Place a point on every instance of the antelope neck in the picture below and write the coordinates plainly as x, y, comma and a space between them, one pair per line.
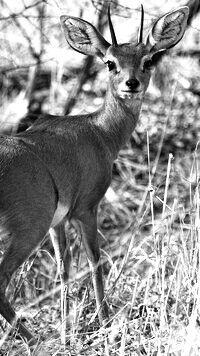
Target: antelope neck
117, 119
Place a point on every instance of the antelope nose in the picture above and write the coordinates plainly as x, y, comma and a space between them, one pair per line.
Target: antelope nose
132, 84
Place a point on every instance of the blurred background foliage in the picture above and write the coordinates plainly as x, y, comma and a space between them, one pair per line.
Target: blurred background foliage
39, 73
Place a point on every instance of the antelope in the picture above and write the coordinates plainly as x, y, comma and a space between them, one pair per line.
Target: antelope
60, 168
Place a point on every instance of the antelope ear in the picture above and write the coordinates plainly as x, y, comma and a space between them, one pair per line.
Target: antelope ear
168, 30
83, 37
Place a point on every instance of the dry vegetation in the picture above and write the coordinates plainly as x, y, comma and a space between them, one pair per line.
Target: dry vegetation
149, 231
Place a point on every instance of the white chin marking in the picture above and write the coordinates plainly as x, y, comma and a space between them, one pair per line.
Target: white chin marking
126, 95
130, 96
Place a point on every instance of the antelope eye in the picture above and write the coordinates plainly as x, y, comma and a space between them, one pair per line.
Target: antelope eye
111, 65
148, 64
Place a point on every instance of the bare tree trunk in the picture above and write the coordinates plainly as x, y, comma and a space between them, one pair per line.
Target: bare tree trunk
37, 80
194, 6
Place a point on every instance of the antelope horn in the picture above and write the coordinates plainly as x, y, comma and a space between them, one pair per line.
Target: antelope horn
112, 32
140, 33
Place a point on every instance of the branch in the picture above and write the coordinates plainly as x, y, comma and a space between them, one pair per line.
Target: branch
20, 13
